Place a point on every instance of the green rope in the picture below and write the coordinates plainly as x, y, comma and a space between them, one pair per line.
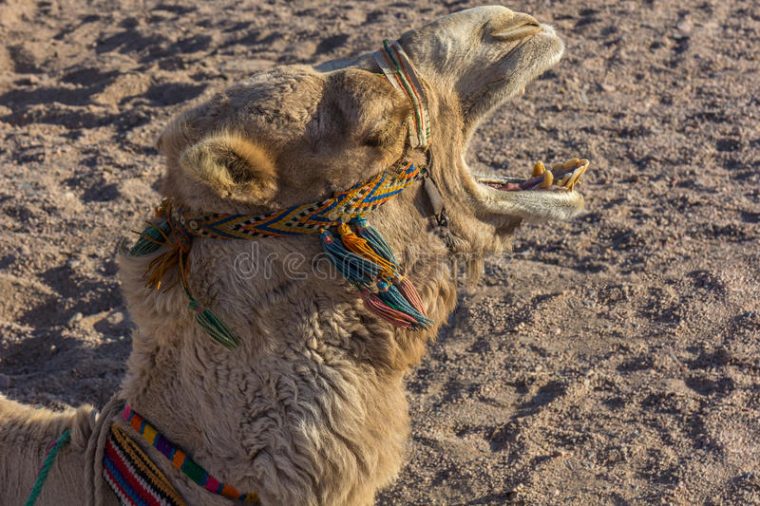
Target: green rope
45, 469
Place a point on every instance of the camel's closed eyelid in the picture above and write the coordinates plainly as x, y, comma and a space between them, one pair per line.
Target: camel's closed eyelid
374, 140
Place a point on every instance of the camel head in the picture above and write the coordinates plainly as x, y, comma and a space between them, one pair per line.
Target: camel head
475, 61
296, 134
472, 62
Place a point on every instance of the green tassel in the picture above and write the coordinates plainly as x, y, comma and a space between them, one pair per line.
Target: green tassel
151, 239
213, 325
375, 239
390, 295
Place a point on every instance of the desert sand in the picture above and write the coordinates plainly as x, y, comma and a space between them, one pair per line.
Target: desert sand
611, 360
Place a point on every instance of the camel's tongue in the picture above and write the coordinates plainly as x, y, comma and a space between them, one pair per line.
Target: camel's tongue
560, 176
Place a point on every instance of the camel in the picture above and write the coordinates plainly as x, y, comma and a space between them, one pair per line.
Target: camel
309, 408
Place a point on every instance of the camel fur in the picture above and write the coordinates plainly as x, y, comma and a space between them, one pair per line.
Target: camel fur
310, 409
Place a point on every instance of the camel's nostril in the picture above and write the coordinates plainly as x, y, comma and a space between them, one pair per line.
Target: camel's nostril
526, 19
517, 27
515, 32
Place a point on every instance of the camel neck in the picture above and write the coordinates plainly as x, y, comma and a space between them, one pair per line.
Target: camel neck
173, 395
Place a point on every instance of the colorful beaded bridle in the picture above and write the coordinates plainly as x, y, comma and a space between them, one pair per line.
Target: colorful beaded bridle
356, 249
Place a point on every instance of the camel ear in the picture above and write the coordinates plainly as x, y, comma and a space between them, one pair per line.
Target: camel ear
373, 110
233, 167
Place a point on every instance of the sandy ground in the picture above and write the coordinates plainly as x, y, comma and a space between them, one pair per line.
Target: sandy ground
612, 360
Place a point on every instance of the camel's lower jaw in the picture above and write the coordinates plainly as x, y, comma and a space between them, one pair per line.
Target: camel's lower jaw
548, 195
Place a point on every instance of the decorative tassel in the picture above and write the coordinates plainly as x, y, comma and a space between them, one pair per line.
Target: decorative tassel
360, 253
387, 313
375, 239
212, 324
178, 245
151, 239
392, 297
410, 293
354, 268
159, 266
157, 234
358, 245
366, 259
165, 234
206, 318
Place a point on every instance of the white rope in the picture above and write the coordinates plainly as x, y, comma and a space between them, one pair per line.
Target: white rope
93, 472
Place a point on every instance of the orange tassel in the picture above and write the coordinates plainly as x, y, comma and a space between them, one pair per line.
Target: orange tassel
160, 265
358, 245
177, 255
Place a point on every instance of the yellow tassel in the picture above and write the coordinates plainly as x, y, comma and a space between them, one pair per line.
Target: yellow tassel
160, 265
358, 245
177, 256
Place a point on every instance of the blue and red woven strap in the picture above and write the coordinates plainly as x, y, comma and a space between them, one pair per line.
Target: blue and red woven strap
132, 476
137, 481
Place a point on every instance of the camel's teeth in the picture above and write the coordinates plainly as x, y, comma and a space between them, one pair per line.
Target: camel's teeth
573, 178
538, 169
548, 180
569, 164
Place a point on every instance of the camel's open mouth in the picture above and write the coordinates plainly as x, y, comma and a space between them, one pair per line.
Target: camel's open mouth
549, 194
560, 177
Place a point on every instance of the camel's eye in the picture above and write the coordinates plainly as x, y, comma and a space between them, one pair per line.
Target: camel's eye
373, 141
367, 105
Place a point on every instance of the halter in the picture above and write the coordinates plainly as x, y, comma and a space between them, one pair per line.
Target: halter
357, 250
400, 71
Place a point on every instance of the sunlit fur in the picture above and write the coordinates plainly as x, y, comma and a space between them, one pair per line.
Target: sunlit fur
310, 409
